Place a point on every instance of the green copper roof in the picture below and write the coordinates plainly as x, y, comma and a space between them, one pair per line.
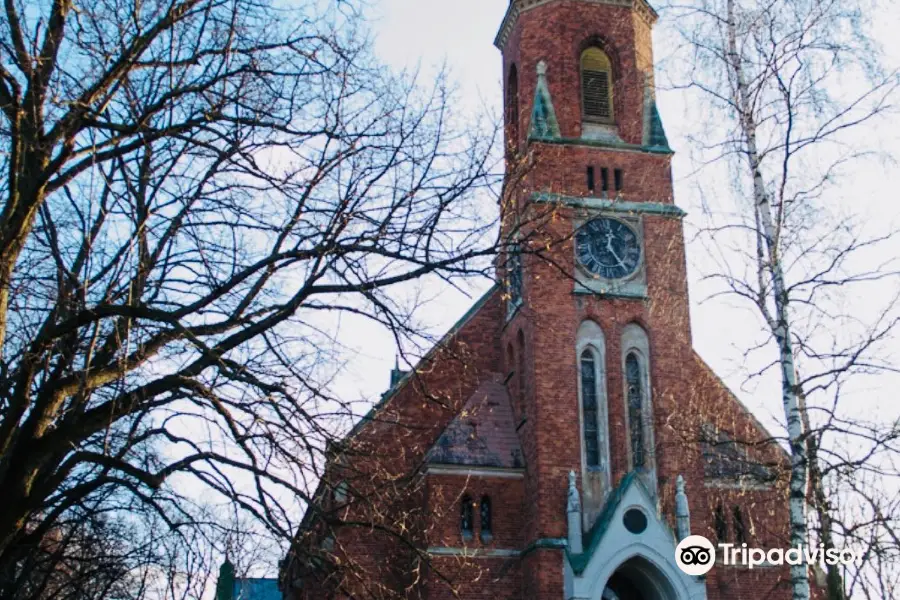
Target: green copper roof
657, 133
543, 116
580, 561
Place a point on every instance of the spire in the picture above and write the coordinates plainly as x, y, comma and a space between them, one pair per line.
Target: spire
543, 116
654, 133
573, 511
225, 583
682, 511
657, 133
396, 373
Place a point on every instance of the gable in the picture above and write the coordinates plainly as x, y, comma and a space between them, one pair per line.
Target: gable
611, 544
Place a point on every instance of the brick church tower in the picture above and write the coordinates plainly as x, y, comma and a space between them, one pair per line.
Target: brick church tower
576, 424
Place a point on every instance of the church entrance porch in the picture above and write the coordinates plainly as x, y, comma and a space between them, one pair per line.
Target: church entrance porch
638, 579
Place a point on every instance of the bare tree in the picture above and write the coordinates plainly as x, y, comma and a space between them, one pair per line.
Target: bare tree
195, 192
778, 72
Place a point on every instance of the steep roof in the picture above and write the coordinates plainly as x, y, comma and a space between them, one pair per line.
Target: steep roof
483, 434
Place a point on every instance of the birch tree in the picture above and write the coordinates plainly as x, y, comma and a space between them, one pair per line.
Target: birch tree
794, 80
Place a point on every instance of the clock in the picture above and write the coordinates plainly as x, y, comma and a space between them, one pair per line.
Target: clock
608, 248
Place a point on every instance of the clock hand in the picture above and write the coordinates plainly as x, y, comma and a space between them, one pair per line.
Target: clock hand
609, 247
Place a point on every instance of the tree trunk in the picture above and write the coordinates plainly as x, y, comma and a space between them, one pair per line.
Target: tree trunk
781, 325
834, 582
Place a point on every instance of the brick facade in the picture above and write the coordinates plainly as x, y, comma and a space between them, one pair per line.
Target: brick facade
387, 461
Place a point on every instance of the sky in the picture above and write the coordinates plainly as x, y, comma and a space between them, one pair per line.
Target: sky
428, 34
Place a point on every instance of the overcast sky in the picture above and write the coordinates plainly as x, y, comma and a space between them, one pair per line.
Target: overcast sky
460, 33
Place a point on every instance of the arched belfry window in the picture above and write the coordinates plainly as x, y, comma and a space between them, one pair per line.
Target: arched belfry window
634, 381
596, 86
512, 110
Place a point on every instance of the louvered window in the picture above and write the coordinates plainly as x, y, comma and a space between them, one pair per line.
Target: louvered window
596, 85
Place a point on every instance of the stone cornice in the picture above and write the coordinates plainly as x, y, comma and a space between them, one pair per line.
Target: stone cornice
659, 209
517, 7
476, 471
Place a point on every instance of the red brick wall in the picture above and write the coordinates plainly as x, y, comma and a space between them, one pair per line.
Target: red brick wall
445, 493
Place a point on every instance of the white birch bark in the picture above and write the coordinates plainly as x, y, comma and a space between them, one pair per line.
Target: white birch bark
780, 319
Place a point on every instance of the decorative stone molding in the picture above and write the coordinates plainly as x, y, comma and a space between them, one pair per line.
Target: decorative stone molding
682, 510
573, 514
517, 7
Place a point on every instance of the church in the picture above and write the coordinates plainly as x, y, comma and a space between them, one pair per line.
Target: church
564, 436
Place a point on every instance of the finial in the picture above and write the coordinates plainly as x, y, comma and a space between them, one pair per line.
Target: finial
682, 510
574, 504
542, 69
573, 518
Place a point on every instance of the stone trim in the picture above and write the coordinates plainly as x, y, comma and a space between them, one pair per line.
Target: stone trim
539, 544
469, 471
609, 144
611, 206
517, 7
727, 484
623, 294
474, 552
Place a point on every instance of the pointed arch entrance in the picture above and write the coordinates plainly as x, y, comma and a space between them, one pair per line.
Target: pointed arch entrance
638, 579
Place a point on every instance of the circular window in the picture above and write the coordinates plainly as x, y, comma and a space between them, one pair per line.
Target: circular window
635, 521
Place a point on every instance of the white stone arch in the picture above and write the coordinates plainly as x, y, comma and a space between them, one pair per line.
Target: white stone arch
649, 555
635, 341
655, 572
591, 339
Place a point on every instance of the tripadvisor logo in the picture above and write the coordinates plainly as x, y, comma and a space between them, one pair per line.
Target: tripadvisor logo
696, 555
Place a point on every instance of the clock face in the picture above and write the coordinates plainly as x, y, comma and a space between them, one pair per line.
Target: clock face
608, 248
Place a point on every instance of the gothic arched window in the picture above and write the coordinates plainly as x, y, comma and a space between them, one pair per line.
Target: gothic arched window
512, 110
589, 408
638, 402
591, 364
634, 382
596, 86
487, 526
514, 280
466, 519
520, 372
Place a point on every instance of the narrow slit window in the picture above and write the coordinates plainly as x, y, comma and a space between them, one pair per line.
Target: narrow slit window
590, 409
635, 411
487, 524
520, 371
619, 176
596, 85
590, 179
604, 179
512, 110
740, 528
466, 520
721, 524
